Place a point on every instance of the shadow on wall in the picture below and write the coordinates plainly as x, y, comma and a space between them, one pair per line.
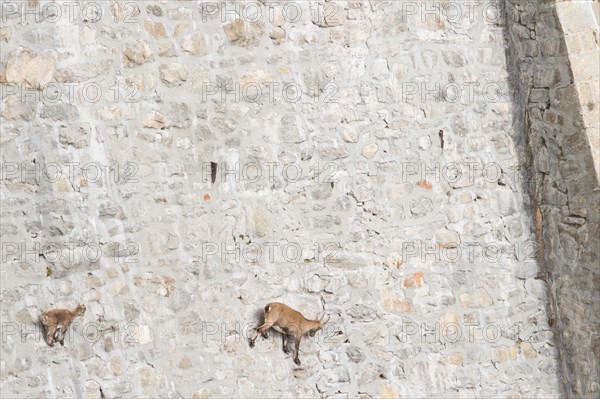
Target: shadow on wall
562, 183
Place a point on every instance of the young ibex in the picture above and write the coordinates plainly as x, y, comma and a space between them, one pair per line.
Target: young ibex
288, 322
57, 321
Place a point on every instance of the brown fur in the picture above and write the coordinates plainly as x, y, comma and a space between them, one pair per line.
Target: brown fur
56, 322
290, 322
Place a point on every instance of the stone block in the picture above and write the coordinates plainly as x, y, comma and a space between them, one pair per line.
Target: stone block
137, 54
479, 298
33, 69
173, 74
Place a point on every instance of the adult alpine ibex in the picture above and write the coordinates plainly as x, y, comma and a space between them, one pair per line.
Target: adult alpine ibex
288, 322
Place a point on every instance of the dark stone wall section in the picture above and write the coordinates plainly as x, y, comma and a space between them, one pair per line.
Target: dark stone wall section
563, 186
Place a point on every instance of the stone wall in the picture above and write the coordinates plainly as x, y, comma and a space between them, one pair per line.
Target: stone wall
559, 116
176, 165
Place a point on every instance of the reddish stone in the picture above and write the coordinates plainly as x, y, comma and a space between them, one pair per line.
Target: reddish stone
414, 281
424, 184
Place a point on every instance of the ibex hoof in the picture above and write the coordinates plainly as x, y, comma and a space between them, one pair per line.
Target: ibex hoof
62, 343
264, 335
297, 361
286, 351
251, 342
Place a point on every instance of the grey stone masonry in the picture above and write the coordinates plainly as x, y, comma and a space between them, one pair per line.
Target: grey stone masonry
397, 165
554, 110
